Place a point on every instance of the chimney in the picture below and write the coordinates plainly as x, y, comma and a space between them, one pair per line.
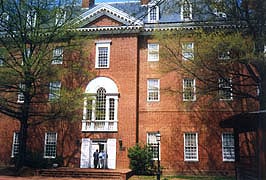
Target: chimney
87, 3
144, 2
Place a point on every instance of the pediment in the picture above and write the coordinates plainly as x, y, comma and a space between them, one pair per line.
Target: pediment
105, 15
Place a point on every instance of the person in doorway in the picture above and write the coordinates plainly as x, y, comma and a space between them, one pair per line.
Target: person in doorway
96, 158
102, 159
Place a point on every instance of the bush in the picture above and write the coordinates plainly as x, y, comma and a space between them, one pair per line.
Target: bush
140, 160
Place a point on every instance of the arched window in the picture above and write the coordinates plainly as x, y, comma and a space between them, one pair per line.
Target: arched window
100, 106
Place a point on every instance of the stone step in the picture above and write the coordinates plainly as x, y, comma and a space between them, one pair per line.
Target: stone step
86, 173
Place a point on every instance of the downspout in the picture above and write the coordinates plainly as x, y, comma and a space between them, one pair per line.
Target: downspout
137, 90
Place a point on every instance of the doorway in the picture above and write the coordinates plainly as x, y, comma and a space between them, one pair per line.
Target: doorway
89, 146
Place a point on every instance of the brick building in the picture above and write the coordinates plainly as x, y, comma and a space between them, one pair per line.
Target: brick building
129, 91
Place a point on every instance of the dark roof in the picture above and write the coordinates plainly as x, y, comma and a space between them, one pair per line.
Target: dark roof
244, 122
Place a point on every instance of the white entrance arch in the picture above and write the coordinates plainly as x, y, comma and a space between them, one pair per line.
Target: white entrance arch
104, 82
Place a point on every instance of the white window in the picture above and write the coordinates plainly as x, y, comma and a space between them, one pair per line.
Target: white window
15, 144
225, 89
57, 55
31, 19
153, 52
189, 89
264, 51
228, 147
100, 111
153, 13
50, 145
191, 147
60, 18
224, 55
21, 94
102, 55
153, 90
188, 51
186, 10
153, 145
2, 61
54, 90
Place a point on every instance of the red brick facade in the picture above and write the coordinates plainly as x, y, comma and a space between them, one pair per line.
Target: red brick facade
130, 70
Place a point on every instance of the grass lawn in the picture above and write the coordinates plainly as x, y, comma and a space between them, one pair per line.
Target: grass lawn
182, 178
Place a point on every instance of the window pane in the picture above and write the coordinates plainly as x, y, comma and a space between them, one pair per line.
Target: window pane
15, 146
188, 51
50, 145
190, 146
101, 104
228, 147
57, 55
153, 52
153, 90
225, 89
103, 57
152, 144
54, 90
189, 90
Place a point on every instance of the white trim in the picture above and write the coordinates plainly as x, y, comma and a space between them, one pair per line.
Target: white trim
228, 146
15, 144
154, 52
223, 88
187, 51
45, 144
193, 88
102, 45
197, 150
105, 9
156, 89
151, 136
182, 11
152, 7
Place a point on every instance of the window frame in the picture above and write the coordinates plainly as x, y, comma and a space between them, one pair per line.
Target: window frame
15, 144
187, 51
102, 44
21, 97
60, 17
153, 145
58, 54
152, 90
54, 90
54, 146
192, 89
153, 9
190, 15
226, 146
195, 146
153, 52
31, 19
224, 89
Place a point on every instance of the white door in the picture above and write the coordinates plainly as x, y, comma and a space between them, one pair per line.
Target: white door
85, 153
111, 152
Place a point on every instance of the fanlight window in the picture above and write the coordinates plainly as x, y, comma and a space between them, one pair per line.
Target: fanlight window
100, 111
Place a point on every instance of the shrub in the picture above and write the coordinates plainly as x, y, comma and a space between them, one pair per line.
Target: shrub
140, 160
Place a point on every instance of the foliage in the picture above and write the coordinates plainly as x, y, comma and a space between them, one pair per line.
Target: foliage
140, 159
39, 47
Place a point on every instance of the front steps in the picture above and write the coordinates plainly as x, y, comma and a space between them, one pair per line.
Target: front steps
103, 174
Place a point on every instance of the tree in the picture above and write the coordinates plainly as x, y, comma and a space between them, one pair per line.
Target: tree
242, 43
35, 36
140, 159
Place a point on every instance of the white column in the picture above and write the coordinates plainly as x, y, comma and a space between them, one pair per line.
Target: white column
116, 112
93, 114
107, 113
